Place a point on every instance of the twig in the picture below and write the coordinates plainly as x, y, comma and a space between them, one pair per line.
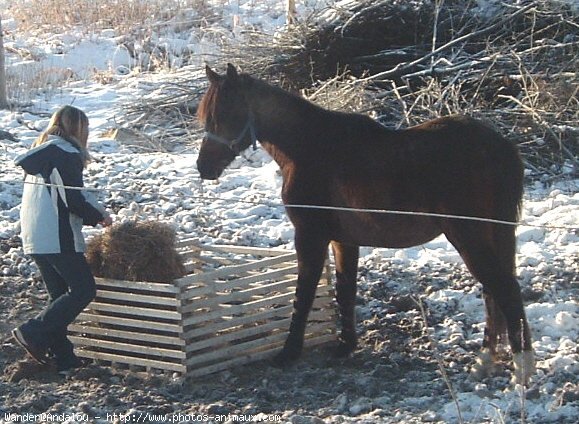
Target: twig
404, 109
364, 10
398, 70
450, 69
437, 8
439, 360
544, 125
522, 392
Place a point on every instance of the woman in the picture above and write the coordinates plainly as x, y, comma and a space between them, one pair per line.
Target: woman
51, 219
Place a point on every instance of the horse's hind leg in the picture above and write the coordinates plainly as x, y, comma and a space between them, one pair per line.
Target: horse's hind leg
494, 333
493, 266
505, 297
346, 261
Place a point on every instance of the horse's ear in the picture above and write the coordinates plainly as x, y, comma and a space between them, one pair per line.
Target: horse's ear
232, 72
212, 76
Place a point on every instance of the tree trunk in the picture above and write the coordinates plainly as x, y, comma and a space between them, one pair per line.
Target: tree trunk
291, 12
3, 98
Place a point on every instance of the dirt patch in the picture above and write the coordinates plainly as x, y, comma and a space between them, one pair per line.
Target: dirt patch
392, 377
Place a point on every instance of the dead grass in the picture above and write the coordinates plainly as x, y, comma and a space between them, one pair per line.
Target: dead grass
122, 15
138, 24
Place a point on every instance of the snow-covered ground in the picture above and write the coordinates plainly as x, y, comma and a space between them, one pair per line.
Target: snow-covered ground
244, 208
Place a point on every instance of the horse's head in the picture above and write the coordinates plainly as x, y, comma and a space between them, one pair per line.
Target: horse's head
228, 121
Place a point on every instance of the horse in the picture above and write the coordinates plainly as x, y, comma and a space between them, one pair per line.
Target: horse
347, 163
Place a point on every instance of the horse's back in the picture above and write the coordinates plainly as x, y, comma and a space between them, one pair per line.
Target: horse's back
451, 165
468, 163
462, 134
446, 152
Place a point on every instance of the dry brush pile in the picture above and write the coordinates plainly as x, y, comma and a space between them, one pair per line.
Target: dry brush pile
514, 65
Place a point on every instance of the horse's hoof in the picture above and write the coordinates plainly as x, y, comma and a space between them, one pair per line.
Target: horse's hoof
343, 349
524, 363
484, 366
285, 358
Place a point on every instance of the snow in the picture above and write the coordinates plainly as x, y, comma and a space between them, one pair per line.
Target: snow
244, 206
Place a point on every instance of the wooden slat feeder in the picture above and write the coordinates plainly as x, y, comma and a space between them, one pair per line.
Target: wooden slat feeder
233, 307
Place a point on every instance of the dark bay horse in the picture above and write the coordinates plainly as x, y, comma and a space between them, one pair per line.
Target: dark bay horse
453, 165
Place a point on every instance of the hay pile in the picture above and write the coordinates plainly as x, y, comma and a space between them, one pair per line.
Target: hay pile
136, 251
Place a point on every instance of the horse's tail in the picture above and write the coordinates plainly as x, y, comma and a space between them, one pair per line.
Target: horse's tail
508, 203
509, 189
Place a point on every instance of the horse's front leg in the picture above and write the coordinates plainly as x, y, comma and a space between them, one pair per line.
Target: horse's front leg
346, 261
311, 254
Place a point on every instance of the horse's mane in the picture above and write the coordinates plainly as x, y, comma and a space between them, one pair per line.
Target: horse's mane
207, 104
286, 97
206, 108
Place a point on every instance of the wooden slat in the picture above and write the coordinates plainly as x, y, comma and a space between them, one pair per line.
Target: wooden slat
237, 309
241, 282
261, 276
285, 311
255, 251
138, 298
133, 310
168, 288
320, 315
127, 335
254, 357
211, 260
121, 359
241, 296
215, 327
232, 270
218, 340
247, 295
128, 322
238, 282
244, 250
190, 267
239, 360
244, 332
232, 350
189, 258
249, 308
216, 286
126, 347
188, 243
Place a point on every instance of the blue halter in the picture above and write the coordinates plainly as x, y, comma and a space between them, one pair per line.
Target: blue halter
249, 126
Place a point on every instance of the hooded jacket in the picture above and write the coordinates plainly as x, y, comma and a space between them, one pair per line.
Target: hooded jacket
51, 218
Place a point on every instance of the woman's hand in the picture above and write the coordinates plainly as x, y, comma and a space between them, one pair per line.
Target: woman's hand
107, 221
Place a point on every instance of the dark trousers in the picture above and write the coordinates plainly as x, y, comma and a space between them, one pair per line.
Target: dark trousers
71, 287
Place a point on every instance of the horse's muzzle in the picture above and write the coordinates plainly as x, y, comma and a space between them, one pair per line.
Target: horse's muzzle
208, 172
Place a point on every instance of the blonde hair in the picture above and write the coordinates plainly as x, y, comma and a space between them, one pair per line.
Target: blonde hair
71, 124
